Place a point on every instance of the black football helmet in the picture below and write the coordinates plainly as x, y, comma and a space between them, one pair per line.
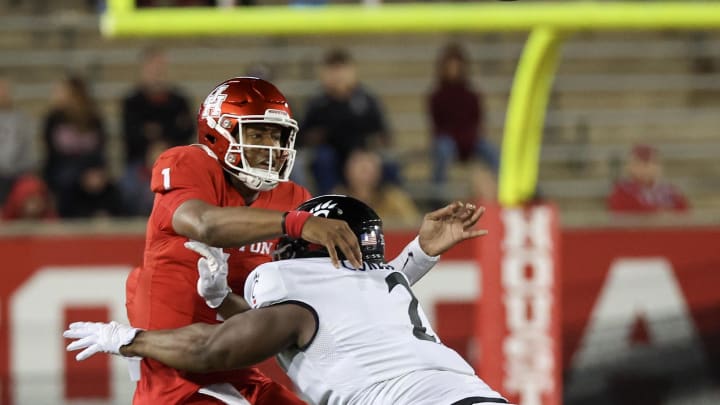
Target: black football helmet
363, 220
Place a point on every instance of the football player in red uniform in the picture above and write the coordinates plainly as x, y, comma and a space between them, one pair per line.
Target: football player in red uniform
231, 190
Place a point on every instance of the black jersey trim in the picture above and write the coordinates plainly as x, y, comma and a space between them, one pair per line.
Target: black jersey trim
315, 315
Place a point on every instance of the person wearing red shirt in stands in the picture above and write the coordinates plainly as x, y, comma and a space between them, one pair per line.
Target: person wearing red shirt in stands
29, 199
643, 191
231, 190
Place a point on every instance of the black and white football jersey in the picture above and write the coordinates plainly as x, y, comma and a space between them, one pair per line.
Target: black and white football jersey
373, 345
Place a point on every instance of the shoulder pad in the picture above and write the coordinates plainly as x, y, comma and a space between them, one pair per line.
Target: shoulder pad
265, 286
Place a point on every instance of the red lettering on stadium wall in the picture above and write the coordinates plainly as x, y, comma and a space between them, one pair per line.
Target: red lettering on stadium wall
519, 308
45, 279
527, 279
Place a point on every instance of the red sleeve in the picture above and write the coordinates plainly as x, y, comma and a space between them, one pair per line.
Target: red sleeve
185, 173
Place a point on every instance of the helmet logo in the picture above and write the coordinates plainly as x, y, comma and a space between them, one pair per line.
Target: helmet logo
212, 107
323, 210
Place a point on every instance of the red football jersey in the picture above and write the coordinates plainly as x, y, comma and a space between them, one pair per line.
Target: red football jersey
162, 294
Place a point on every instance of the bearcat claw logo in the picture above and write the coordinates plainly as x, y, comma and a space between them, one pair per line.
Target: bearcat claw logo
323, 209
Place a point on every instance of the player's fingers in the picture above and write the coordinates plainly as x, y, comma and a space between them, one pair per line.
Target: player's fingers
87, 352
350, 247
470, 222
199, 248
75, 333
217, 254
79, 329
81, 343
474, 233
465, 213
211, 254
206, 267
445, 211
330, 246
80, 325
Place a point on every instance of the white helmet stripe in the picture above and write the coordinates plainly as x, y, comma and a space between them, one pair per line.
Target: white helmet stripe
219, 129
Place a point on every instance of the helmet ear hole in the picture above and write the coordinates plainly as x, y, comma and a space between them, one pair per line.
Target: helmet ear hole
210, 138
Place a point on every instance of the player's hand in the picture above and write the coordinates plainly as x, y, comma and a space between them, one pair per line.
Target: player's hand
213, 271
333, 233
96, 337
448, 226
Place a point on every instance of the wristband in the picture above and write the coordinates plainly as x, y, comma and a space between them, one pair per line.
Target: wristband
293, 222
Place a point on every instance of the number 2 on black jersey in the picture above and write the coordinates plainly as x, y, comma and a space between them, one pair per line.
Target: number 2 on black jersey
419, 330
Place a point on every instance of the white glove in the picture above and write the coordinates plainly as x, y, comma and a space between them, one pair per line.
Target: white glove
212, 266
97, 337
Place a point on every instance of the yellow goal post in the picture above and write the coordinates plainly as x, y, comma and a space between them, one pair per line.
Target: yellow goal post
548, 24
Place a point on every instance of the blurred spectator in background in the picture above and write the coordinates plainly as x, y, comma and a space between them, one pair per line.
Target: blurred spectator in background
17, 152
643, 190
261, 71
74, 134
93, 194
135, 183
342, 118
154, 110
457, 116
29, 199
363, 179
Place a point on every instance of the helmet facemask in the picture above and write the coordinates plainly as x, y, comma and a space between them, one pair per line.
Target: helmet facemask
236, 157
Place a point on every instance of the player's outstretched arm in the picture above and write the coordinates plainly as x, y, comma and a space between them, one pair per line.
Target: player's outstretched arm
226, 226
441, 230
238, 226
232, 305
241, 341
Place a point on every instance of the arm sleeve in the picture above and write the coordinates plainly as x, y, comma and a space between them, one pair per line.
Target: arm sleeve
413, 262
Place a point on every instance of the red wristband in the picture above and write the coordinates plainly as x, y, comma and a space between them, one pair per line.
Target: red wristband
293, 222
